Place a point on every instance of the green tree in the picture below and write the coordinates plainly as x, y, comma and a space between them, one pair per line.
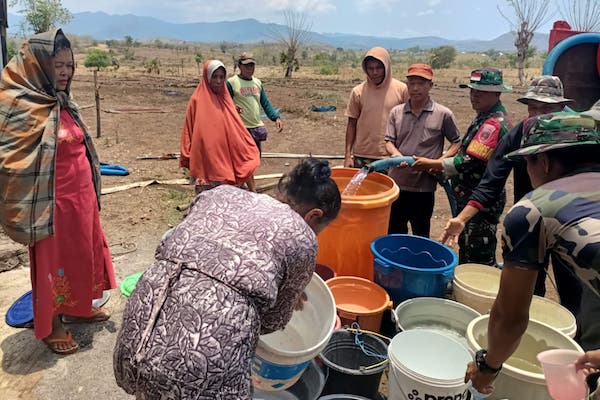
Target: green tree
128, 41
153, 65
96, 58
514, 57
11, 49
289, 65
42, 15
442, 57
198, 59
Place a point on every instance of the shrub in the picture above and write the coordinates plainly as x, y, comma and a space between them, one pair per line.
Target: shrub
442, 57
96, 58
329, 69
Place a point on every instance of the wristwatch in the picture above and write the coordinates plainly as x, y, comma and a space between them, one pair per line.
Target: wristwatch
482, 365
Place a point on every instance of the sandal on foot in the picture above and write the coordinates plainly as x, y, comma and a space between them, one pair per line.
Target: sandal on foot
98, 315
53, 344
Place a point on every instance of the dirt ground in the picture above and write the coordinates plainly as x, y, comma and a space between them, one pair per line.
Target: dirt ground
135, 219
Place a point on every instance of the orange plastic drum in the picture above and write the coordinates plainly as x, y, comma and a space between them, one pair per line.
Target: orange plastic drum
345, 244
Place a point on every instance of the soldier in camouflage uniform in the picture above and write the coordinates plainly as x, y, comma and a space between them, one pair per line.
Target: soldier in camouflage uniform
561, 217
545, 95
477, 243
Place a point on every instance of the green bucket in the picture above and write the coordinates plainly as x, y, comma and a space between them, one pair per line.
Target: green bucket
129, 283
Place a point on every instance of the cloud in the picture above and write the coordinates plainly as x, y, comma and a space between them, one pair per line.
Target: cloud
195, 11
376, 5
433, 3
307, 6
423, 13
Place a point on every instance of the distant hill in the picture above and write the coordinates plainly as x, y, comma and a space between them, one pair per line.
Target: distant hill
103, 26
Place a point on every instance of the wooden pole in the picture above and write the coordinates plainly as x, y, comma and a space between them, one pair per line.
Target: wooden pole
97, 97
3, 26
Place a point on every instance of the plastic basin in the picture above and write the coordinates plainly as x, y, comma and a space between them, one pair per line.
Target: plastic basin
408, 266
359, 300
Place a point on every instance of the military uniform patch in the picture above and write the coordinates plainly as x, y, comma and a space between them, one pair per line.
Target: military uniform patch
485, 140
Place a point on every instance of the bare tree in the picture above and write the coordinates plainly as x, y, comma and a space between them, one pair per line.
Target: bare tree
582, 15
529, 16
295, 35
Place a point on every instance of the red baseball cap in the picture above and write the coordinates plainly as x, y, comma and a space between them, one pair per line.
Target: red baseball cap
422, 70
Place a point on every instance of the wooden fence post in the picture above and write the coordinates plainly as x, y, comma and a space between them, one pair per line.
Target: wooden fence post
97, 97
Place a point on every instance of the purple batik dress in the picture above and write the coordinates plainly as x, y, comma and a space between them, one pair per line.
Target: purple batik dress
233, 269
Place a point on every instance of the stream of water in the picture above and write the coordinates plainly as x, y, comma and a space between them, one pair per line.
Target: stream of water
354, 185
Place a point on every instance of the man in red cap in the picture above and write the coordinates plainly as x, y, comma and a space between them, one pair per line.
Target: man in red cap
418, 127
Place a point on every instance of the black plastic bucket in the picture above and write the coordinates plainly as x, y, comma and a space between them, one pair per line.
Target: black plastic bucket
352, 371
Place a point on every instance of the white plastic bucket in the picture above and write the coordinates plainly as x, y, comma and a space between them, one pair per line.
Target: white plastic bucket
551, 313
281, 357
542, 310
427, 365
440, 315
481, 303
521, 376
478, 278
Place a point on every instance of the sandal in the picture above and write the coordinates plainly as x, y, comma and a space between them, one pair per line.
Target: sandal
98, 315
53, 344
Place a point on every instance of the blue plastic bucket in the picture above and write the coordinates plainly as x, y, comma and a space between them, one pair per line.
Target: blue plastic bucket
408, 266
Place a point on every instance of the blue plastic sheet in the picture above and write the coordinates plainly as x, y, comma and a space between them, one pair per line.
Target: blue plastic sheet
117, 170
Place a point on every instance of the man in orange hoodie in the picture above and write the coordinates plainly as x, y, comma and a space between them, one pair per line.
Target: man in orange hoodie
369, 108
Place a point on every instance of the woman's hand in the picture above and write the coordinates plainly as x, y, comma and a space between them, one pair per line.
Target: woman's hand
300, 304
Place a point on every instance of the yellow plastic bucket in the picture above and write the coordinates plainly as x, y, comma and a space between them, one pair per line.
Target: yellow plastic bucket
345, 244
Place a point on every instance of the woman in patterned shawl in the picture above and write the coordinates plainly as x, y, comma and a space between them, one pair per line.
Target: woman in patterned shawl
232, 270
215, 145
50, 189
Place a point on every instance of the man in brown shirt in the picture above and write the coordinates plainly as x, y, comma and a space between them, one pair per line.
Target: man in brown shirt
369, 107
418, 128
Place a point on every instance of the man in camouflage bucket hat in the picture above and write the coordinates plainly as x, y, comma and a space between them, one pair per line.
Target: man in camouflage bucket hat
477, 243
545, 95
560, 217
545, 89
566, 129
486, 80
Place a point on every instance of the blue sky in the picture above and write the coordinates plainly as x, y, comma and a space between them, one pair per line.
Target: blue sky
451, 19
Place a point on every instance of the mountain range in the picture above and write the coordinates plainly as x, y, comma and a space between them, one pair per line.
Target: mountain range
102, 26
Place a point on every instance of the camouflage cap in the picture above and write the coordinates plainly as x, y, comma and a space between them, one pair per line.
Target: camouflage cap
546, 89
593, 112
556, 131
486, 80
